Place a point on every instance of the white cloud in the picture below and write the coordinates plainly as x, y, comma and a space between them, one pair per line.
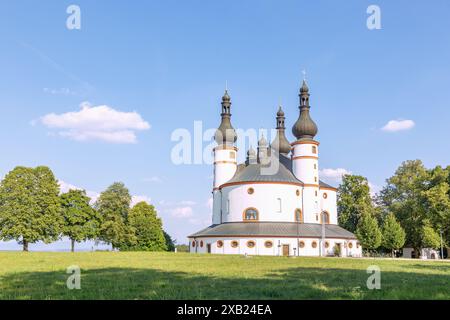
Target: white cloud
398, 125
182, 212
136, 199
97, 123
333, 174
374, 189
65, 187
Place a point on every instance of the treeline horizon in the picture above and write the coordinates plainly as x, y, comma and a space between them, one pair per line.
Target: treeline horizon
412, 209
33, 209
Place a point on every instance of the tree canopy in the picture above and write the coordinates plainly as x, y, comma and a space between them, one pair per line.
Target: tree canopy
81, 221
29, 206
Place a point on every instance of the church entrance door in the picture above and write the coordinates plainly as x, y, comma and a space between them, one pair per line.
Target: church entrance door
285, 250
208, 248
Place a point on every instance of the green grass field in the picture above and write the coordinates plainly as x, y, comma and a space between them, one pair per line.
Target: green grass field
120, 275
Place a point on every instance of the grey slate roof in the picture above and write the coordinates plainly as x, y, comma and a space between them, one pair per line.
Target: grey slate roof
252, 173
273, 229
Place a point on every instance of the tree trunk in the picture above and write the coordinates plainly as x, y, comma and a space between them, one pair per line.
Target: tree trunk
25, 245
72, 245
393, 253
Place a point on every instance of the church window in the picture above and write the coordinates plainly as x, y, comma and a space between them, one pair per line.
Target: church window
234, 244
219, 244
325, 217
314, 244
297, 192
193, 243
268, 244
301, 244
250, 190
232, 155
327, 244
250, 214
298, 215
201, 244
315, 179
251, 244
314, 149
315, 166
279, 204
315, 193
357, 244
325, 195
350, 245
228, 206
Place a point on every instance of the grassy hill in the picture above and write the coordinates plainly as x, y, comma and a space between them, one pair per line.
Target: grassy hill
138, 275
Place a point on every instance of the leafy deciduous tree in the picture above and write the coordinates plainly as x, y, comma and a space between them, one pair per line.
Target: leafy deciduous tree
29, 206
81, 221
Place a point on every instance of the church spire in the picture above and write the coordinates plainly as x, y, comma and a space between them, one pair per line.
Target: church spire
225, 134
280, 143
304, 128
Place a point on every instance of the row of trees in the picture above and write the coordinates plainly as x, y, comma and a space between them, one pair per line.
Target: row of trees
412, 209
32, 209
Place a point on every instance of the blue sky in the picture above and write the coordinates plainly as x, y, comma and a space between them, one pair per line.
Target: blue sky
168, 61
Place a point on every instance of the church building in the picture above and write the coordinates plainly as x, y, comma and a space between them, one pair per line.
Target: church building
274, 203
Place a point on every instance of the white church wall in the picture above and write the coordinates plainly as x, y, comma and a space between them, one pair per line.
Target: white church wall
265, 198
329, 204
349, 248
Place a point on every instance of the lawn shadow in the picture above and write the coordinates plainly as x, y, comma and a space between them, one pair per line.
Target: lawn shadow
290, 283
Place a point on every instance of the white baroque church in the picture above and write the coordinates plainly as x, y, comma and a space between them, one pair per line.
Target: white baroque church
274, 203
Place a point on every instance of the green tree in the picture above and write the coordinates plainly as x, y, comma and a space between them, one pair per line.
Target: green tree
170, 243
113, 206
147, 228
81, 221
368, 232
393, 235
430, 238
404, 197
29, 206
353, 200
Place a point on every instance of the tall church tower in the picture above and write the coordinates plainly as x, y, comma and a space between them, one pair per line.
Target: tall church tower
305, 157
225, 156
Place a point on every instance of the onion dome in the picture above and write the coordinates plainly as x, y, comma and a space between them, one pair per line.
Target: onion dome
251, 156
262, 142
304, 128
225, 134
281, 143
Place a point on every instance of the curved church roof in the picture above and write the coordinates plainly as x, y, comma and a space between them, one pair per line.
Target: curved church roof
255, 173
274, 229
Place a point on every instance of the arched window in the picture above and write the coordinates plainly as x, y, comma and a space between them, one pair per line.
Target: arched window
201, 244
325, 217
193, 243
298, 215
251, 214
